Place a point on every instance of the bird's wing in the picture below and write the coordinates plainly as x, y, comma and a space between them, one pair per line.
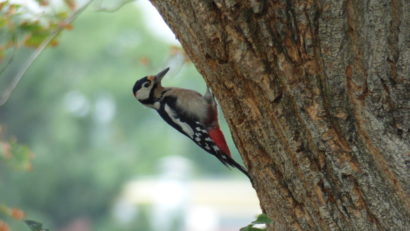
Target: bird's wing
190, 104
191, 126
211, 140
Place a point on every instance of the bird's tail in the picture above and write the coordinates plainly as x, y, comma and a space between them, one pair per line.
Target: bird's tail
243, 170
228, 161
240, 168
219, 139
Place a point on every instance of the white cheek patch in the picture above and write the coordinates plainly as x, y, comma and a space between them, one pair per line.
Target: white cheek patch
143, 93
184, 126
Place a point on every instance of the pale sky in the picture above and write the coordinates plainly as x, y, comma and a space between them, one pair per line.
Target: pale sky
155, 22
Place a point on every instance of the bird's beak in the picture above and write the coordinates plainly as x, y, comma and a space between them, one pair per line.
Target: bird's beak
160, 75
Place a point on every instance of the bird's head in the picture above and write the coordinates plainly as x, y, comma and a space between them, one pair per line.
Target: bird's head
144, 89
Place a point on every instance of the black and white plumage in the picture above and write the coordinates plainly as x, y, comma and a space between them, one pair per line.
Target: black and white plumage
189, 112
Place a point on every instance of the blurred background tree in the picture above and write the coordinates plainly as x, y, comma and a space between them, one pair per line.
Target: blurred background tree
75, 111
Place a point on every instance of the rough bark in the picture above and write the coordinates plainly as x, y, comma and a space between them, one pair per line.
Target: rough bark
317, 96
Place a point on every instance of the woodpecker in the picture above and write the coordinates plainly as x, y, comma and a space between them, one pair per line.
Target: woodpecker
189, 112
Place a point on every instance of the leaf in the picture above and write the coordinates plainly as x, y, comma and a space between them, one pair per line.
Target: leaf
12, 9
2, 54
71, 4
35, 40
262, 219
15, 213
62, 15
31, 27
250, 228
43, 2
4, 226
16, 155
66, 26
35, 226
4, 209
2, 4
3, 22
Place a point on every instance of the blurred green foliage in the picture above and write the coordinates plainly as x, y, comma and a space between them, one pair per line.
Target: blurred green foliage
75, 111
13, 156
20, 26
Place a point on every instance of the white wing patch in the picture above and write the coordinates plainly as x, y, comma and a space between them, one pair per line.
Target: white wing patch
207, 147
215, 148
156, 105
184, 126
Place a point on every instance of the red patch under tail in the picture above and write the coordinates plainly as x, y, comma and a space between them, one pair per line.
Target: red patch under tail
218, 137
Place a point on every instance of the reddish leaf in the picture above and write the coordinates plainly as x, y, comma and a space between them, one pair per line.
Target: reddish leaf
17, 214
43, 2
66, 26
71, 4
4, 226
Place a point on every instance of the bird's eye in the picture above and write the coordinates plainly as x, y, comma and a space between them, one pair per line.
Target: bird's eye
147, 84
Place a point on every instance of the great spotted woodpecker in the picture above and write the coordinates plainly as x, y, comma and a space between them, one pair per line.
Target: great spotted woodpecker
189, 112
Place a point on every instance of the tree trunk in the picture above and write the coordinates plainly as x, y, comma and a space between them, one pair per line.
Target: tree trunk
317, 96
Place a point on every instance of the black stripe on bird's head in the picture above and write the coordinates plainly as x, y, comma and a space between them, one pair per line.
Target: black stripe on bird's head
143, 89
